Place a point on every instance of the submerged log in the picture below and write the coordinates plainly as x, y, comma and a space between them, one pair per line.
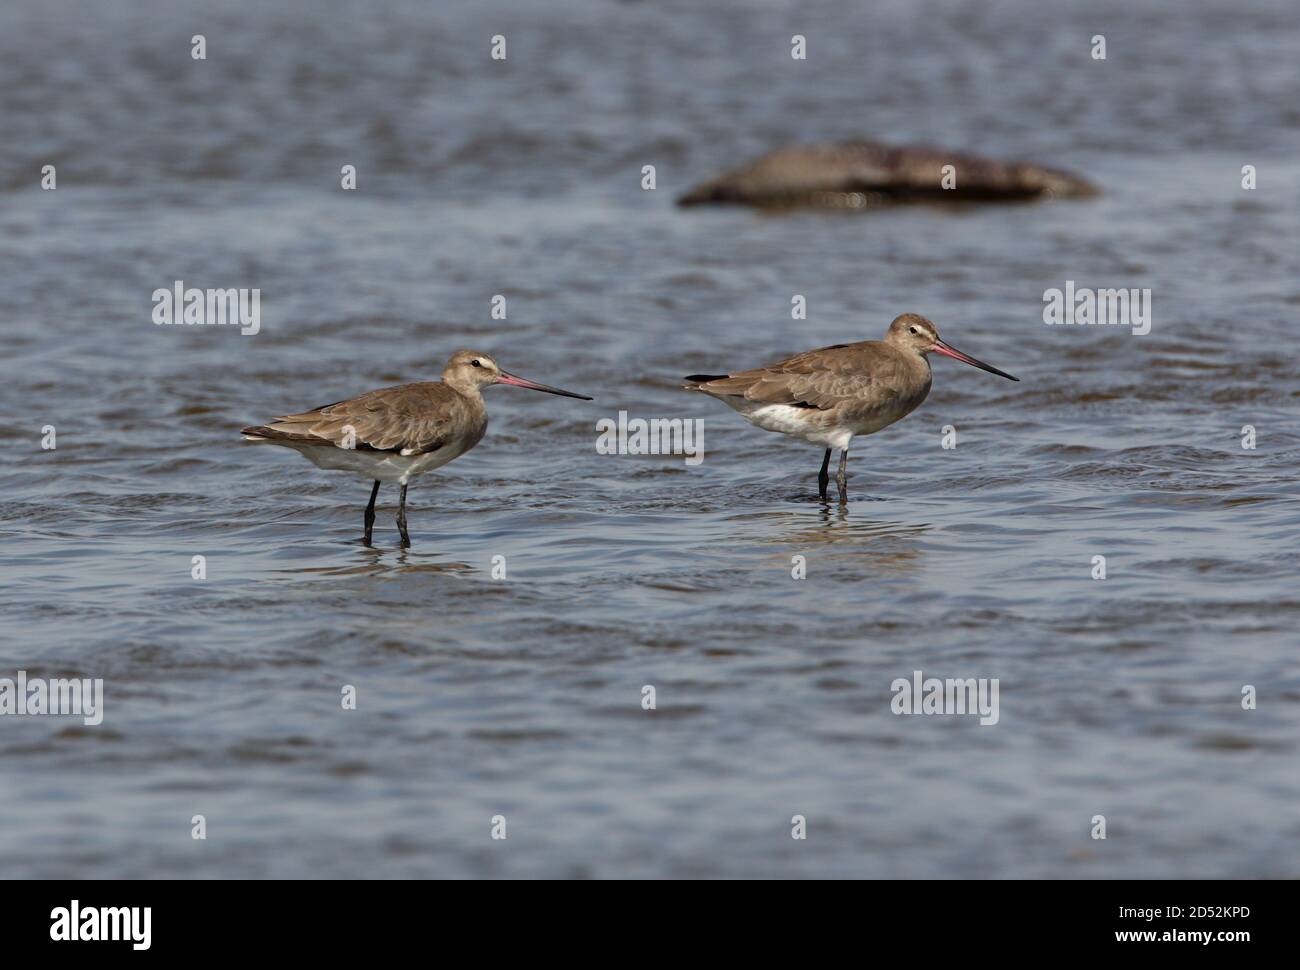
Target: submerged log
862, 174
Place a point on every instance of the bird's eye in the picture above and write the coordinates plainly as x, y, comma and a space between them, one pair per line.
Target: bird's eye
912, 329
477, 364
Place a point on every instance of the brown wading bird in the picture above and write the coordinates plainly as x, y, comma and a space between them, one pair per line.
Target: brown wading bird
864, 174
829, 395
396, 433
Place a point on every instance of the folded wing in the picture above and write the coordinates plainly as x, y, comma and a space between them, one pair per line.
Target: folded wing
409, 419
820, 379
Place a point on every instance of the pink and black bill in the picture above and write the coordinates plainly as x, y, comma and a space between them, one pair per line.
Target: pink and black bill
948, 351
514, 381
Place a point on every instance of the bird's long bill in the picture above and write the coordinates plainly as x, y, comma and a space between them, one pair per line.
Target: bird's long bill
942, 348
534, 386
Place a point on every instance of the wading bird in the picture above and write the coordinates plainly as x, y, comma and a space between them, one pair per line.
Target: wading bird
396, 433
827, 396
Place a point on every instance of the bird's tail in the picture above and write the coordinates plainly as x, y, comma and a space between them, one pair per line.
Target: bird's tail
263, 433
698, 379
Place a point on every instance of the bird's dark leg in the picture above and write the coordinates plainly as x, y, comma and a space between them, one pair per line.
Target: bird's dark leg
823, 477
370, 514
842, 479
401, 518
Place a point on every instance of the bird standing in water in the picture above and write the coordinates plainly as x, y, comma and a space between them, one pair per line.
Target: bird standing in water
396, 433
827, 396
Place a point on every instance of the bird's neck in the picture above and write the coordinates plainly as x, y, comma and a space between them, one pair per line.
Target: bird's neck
463, 387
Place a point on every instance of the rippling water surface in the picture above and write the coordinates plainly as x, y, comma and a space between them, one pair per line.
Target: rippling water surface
520, 697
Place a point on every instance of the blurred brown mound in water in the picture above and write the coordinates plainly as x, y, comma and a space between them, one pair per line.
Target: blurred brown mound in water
855, 175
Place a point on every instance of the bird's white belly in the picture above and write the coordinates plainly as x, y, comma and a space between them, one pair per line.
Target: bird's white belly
811, 425
799, 422
382, 466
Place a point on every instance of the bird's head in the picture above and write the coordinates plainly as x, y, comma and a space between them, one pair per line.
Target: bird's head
472, 368
913, 332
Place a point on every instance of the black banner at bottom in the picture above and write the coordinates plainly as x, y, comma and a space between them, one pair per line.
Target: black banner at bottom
137, 920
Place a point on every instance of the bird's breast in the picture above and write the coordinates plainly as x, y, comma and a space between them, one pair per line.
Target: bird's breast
869, 418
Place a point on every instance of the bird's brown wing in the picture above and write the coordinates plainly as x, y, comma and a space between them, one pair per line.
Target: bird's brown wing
822, 379
409, 419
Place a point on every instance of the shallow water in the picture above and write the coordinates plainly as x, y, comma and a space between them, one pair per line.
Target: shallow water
479, 696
